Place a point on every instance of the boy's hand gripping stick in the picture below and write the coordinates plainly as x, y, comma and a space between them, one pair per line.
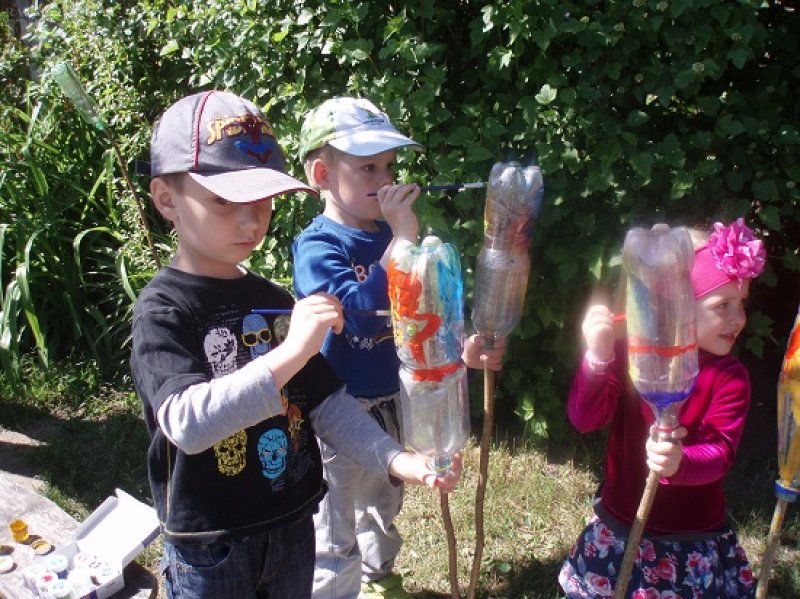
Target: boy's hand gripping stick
787, 487
662, 343
513, 198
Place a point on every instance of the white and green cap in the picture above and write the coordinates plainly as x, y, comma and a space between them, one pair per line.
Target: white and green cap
352, 125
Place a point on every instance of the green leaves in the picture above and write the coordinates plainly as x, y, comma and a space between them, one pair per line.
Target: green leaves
680, 111
546, 95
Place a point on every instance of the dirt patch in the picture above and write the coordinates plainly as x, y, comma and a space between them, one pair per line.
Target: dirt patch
17, 448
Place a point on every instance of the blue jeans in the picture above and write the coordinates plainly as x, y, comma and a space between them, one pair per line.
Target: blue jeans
276, 564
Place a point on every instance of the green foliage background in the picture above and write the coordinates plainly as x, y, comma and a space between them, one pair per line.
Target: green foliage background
638, 111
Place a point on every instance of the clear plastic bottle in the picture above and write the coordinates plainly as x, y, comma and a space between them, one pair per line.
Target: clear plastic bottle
661, 318
435, 414
501, 283
426, 295
513, 198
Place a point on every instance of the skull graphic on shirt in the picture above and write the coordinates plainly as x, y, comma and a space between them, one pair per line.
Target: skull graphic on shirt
272, 449
232, 454
220, 346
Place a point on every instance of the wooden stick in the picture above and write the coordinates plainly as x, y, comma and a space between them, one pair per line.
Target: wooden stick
635, 536
772, 547
137, 200
483, 476
69, 82
444, 502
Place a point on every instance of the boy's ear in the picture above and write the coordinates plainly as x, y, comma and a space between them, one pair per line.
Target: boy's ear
161, 193
319, 173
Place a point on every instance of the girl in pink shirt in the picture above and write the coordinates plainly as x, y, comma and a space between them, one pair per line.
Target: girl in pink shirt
688, 549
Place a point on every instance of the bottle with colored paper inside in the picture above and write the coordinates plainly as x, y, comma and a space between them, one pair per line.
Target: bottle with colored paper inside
426, 294
787, 487
661, 318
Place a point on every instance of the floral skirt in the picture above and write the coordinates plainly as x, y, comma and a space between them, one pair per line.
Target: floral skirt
710, 566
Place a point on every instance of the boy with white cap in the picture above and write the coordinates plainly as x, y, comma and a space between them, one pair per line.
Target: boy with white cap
348, 148
233, 400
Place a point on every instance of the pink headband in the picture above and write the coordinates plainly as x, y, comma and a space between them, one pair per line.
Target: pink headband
731, 254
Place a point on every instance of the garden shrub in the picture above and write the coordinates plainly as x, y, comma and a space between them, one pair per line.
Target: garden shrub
679, 111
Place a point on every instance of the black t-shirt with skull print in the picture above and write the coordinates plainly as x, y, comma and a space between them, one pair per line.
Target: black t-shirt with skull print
188, 330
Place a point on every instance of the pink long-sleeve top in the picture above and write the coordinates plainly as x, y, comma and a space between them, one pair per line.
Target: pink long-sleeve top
693, 499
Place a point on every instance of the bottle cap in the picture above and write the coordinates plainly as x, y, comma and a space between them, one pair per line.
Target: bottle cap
6, 563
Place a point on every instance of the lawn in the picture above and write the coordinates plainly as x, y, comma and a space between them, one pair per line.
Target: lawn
538, 496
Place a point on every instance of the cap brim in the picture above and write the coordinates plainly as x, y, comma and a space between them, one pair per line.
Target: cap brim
250, 185
369, 143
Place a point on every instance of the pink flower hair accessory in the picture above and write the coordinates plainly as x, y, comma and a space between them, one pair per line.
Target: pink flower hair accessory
737, 252
731, 254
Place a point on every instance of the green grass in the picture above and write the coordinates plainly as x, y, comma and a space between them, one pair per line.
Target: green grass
535, 505
538, 496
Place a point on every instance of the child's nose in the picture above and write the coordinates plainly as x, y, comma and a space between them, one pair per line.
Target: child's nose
249, 215
387, 177
738, 314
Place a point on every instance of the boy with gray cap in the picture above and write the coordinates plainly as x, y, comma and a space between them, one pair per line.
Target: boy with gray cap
348, 148
233, 400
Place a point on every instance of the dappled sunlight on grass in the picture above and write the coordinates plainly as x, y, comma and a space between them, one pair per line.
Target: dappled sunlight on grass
90, 439
534, 509
538, 499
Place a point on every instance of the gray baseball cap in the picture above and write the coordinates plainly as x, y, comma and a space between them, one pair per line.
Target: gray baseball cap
352, 125
226, 144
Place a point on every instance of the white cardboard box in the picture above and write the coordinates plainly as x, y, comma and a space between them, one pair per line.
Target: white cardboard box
116, 532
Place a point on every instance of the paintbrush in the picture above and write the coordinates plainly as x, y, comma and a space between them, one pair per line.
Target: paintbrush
350, 312
446, 187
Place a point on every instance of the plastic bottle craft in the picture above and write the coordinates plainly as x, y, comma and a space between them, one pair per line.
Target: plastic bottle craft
787, 487
426, 296
661, 318
67, 79
513, 198
662, 342
69, 82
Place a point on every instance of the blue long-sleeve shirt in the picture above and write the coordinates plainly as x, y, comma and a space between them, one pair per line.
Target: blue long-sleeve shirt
345, 262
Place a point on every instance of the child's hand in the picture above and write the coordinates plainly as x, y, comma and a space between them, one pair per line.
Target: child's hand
598, 331
396, 203
477, 355
312, 318
412, 467
665, 451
